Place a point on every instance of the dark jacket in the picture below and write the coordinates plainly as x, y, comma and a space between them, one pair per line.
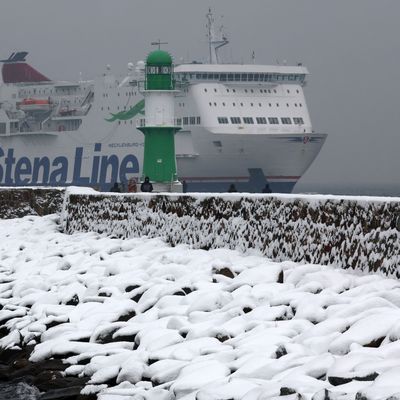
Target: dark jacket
146, 186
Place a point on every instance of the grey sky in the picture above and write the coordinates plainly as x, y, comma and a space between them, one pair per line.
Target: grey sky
351, 47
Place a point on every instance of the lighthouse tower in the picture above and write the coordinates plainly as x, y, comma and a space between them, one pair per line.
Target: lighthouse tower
159, 126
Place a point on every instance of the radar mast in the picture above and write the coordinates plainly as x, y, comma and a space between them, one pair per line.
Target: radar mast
216, 39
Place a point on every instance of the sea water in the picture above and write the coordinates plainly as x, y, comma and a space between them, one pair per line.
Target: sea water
18, 391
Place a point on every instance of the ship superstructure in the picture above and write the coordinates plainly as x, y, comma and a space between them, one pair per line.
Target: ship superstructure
244, 124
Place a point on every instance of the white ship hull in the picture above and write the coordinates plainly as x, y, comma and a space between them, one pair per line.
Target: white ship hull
100, 158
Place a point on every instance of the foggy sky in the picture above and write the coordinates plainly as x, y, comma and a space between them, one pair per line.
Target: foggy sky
351, 47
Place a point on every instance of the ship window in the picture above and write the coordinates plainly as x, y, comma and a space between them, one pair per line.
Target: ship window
217, 143
234, 90
274, 90
261, 120
261, 90
270, 104
234, 104
288, 90
198, 120
295, 104
286, 121
297, 91
185, 120
223, 104
204, 76
210, 104
198, 76
241, 104
236, 120
237, 77
256, 77
301, 105
273, 120
192, 120
251, 90
298, 121
269, 91
259, 104
287, 104
248, 120
227, 90
223, 120
222, 77
245, 90
251, 104
210, 76
230, 77
277, 104
205, 90
250, 77
244, 77
215, 90
215, 104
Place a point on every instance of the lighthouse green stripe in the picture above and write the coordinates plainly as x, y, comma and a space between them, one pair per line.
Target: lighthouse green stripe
159, 162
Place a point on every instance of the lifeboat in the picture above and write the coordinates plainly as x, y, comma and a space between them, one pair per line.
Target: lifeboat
35, 105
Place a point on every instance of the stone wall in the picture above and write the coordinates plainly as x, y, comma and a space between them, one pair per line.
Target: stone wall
349, 232
18, 202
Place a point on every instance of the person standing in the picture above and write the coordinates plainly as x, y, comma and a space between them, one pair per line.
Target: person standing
146, 186
132, 185
232, 188
267, 189
115, 188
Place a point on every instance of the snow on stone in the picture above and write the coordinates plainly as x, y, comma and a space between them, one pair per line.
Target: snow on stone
144, 320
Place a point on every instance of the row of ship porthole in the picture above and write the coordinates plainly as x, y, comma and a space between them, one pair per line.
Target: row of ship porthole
261, 120
252, 90
128, 94
252, 104
125, 122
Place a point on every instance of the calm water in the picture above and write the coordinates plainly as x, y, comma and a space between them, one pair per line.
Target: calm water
352, 190
18, 391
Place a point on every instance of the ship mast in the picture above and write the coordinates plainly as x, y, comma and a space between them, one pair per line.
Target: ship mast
215, 39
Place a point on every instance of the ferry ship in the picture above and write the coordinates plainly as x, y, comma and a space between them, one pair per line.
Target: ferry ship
241, 124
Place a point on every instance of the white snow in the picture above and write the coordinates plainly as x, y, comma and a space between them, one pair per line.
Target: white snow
145, 320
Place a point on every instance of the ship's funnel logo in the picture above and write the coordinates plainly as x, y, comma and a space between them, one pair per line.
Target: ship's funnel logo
128, 114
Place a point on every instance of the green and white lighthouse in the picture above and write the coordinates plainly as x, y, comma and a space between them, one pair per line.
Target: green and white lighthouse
159, 125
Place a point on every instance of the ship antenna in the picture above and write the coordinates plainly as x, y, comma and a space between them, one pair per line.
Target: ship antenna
159, 43
215, 39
